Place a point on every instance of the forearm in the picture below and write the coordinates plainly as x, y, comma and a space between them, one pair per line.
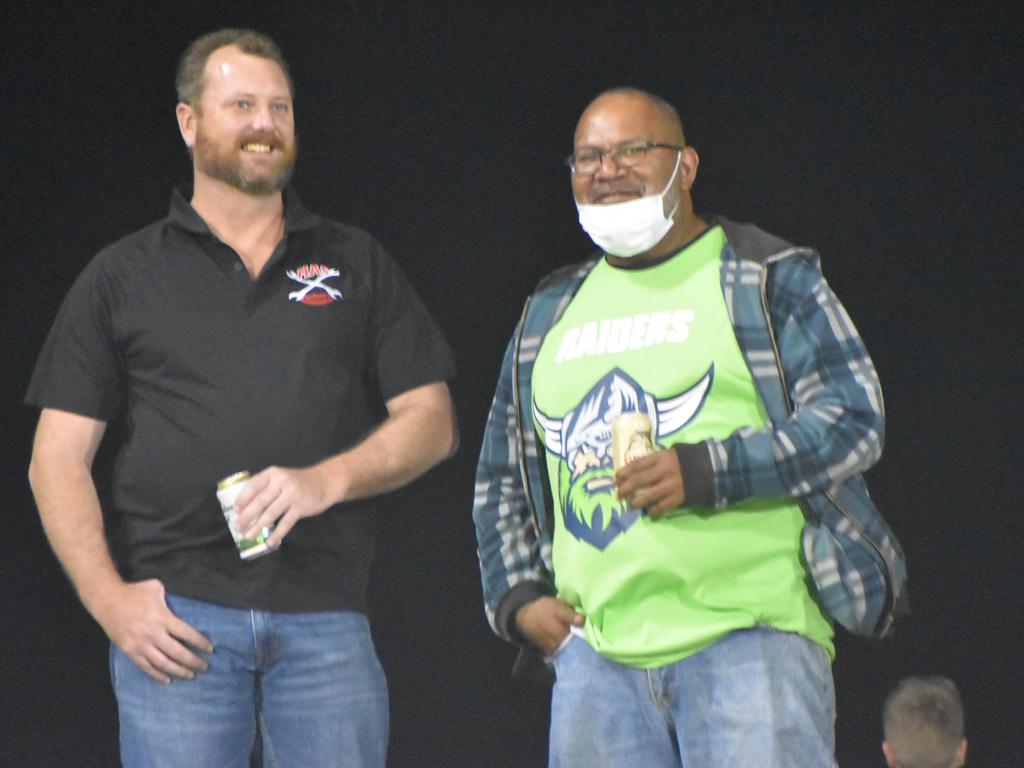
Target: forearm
804, 455
419, 432
73, 522
135, 616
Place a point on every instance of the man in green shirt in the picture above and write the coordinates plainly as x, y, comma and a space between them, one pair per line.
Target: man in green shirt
672, 594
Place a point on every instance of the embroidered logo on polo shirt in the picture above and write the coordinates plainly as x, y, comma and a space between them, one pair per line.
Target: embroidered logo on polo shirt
314, 277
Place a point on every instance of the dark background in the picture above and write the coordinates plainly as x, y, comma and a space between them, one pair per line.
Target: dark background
885, 135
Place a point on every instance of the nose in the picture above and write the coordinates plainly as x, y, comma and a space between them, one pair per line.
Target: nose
608, 168
262, 117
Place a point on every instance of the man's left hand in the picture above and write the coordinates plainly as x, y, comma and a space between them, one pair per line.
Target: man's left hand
280, 497
653, 483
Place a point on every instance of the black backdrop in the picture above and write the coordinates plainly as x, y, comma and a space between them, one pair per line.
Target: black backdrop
886, 135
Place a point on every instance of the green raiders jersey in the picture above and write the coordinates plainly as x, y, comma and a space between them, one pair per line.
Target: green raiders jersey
658, 340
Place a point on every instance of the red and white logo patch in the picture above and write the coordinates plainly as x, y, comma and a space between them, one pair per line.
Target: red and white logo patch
313, 277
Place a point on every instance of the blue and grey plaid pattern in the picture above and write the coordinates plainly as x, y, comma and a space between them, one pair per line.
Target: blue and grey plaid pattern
824, 403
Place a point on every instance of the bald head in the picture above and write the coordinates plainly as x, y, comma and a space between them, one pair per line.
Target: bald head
648, 108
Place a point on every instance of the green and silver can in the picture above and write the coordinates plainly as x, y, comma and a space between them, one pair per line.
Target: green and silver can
227, 491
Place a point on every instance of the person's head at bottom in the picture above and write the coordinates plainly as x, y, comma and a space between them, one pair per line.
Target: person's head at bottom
923, 722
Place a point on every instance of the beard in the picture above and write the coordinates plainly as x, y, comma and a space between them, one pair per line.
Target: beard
590, 510
225, 163
591, 498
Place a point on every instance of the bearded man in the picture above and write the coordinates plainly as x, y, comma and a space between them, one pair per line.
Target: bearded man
684, 595
240, 333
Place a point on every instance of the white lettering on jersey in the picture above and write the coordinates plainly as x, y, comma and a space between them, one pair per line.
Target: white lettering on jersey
618, 334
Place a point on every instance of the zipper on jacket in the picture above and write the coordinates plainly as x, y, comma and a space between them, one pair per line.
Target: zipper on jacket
520, 440
887, 617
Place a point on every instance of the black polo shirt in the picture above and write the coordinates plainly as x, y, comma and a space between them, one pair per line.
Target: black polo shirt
213, 373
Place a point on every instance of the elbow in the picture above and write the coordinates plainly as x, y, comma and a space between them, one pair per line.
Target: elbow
46, 473
451, 444
34, 472
879, 434
427, 417
40, 466
873, 420
447, 427
869, 429
439, 431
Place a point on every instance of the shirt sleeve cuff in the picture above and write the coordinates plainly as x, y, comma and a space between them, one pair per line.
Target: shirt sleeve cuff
522, 593
698, 476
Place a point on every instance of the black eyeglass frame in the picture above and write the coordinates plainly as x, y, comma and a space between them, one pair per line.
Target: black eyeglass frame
601, 153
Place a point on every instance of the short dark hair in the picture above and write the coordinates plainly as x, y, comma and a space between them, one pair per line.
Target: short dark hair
192, 65
924, 721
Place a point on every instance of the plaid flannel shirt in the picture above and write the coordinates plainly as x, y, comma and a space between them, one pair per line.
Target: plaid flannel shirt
824, 403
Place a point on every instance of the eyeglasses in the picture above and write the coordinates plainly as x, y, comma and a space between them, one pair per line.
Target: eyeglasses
585, 162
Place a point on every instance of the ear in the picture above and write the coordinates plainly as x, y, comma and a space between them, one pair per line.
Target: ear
961, 754
688, 162
186, 123
887, 751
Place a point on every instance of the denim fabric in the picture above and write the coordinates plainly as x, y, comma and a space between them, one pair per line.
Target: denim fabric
757, 697
309, 683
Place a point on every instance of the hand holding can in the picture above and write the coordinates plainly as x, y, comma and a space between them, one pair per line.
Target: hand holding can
227, 491
631, 438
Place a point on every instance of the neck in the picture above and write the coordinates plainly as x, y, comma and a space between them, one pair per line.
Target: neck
252, 225
227, 209
686, 228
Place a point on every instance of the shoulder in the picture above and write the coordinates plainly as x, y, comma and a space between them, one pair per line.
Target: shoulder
751, 243
127, 259
141, 241
565, 278
783, 259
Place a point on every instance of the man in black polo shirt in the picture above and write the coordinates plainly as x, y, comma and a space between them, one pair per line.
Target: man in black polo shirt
240, 333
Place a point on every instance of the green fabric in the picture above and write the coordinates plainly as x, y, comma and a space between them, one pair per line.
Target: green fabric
655, 591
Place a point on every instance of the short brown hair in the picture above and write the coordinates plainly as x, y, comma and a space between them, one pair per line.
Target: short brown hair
924, 721
192, 65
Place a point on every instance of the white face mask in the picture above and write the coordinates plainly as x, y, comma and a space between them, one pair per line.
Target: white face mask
630, 227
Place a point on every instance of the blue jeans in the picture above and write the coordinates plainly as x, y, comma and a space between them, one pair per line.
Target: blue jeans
757, 697
311, 681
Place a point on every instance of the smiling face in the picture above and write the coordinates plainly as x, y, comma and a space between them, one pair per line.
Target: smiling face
614, 119
242, 130
617, 118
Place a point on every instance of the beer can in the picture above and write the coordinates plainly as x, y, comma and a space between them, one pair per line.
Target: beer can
227, 491
631, 438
